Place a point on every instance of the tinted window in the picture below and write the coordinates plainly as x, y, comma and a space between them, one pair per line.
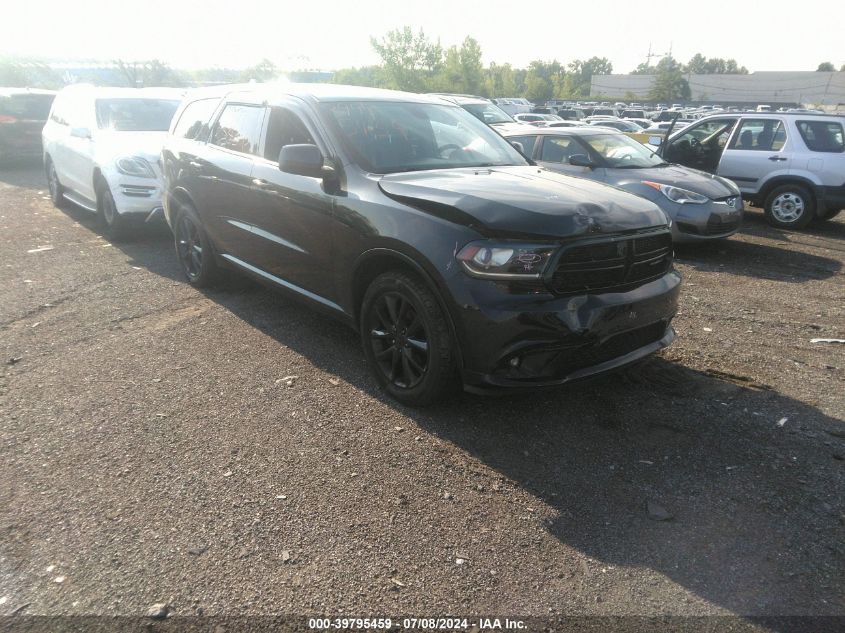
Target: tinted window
767, 135
527, 143
239, 128
193, 123
135, 115
30, 107
822, 136
284, 128
488, 112
392, 136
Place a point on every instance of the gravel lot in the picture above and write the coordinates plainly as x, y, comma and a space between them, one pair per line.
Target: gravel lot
154, 449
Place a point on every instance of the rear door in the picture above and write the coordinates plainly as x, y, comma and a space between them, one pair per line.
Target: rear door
758, 150
224, 194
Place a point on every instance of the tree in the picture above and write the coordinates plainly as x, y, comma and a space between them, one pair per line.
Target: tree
472, 70
501, 81
700, 65
137, 74
264, 70
826, 67
543, 80
371, 76
583, 72
669, 83
410, 60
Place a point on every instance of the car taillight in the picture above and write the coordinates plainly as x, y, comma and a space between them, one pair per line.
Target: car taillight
5, 118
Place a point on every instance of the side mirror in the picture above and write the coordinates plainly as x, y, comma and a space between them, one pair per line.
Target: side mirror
655, 140
80, 132
302, 160
518, 147
581, 160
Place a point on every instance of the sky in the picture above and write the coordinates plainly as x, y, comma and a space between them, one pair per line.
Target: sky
330, 34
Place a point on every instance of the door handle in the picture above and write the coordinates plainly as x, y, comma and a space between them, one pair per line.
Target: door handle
776, 158
195, 164
260, 182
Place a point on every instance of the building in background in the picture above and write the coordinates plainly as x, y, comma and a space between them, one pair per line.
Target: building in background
826, 89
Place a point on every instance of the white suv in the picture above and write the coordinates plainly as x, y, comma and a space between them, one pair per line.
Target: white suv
101, 151
791, 164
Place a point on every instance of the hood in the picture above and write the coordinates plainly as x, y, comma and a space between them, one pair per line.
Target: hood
714, 187
523, 202
144, 144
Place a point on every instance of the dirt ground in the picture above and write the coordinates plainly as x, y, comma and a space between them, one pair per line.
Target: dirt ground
152, 451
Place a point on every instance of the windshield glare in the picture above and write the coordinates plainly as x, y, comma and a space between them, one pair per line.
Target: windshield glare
619, 151
387, 137
488, 113
135, 115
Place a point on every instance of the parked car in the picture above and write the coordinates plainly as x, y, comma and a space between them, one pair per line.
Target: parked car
792, 165
482, 109
702, 207
101, 151
617, 124
407, 218
632, 113
571, 114
23, 113
539, 120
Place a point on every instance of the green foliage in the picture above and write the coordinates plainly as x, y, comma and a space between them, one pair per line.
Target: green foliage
265, 70
16, 73
410, 60
826, 67
148, 73
669, 82
700, 65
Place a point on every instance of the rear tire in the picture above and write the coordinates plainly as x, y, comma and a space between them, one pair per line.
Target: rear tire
790, 207
115, 225
53, 184
193, 248
407, 340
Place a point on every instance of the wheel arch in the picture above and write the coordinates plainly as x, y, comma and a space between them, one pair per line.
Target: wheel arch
790, 179
376, 261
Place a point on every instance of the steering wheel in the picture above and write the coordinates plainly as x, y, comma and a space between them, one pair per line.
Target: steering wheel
695, 145
449, 147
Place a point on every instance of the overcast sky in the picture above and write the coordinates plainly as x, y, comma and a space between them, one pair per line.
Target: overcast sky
329, 34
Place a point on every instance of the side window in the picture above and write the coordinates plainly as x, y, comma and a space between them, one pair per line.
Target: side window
284, 128
527, 144
822, 136
768, 135
58, 113
558, 149
239, 128
193, 124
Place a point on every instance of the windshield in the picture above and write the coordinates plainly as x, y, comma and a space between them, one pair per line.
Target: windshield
135, 115
389, 136
488, 113
620, 152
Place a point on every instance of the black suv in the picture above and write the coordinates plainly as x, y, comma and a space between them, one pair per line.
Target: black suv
457, 260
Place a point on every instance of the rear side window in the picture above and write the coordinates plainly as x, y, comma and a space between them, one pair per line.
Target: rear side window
239, 128
194, 122
822, 136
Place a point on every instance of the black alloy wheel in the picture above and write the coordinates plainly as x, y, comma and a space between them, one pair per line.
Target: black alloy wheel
407, 340
399, 340
193, 248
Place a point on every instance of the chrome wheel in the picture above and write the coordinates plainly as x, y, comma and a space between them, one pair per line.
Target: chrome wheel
788, 207
399, 340
189, 246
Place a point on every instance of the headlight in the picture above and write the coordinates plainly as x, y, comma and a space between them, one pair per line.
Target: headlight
676, 194
505, 260
135, 166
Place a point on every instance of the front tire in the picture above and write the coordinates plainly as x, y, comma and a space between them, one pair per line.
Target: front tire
193, 248
790, 207
407, 341
115, 225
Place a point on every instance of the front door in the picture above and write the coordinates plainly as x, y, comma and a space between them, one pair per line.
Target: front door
700, 145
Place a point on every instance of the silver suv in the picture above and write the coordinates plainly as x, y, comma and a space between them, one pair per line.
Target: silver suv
791, 164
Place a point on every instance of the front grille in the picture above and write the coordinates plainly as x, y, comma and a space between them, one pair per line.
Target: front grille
717, 225
612, 263
562, 362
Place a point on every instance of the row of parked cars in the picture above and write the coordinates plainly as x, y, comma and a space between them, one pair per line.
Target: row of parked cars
462, 250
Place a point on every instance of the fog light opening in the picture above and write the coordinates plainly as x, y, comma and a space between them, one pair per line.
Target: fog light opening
514, 362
